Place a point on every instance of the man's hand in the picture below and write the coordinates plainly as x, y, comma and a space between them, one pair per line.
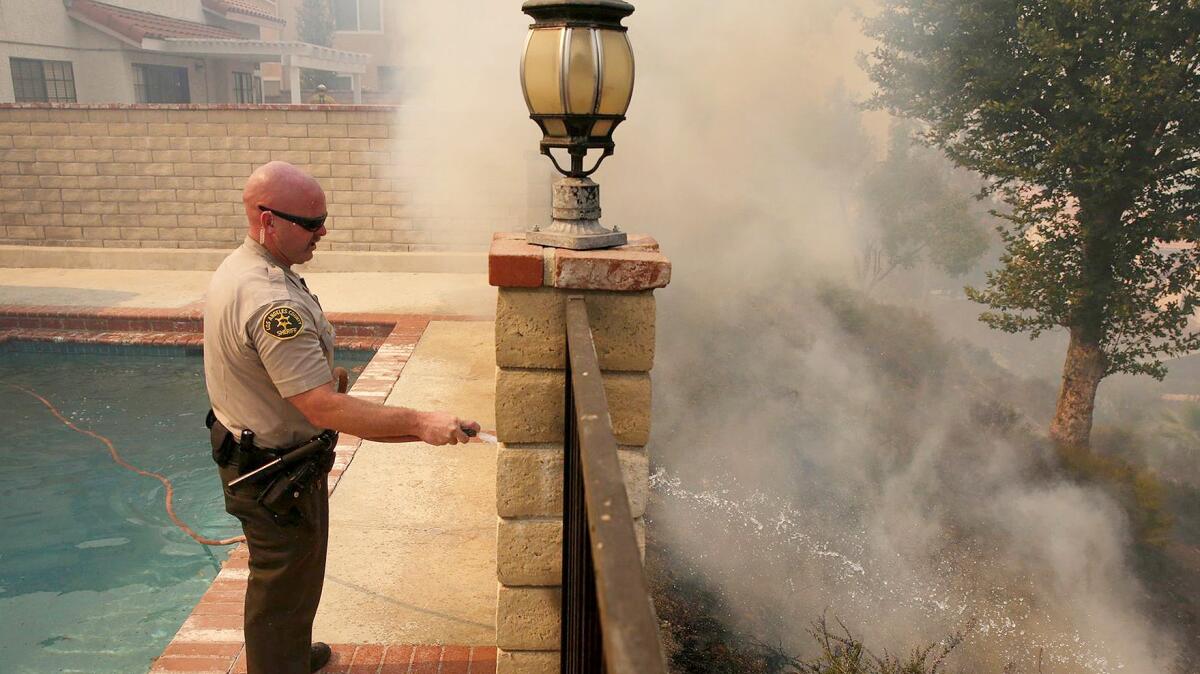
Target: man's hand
440, 428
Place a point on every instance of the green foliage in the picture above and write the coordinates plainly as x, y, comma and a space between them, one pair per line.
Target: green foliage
1138, 490
1183, 426
314, 25
314, 22
901, 351
695, 623
1177, 440
903, 343
1083, 115
844, 654
698, 640
1163, 447
922, 210
907, 349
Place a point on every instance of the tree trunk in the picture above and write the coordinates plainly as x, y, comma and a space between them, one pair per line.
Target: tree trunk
1085, 366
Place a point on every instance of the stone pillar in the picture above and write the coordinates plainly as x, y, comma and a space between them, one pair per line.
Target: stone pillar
534, 283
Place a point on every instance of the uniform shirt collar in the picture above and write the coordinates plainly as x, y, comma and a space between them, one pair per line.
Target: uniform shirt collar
261, 251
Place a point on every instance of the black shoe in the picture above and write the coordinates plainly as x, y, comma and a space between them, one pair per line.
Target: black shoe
318, 656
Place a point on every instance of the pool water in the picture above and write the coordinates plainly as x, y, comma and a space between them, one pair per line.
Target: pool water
94, 577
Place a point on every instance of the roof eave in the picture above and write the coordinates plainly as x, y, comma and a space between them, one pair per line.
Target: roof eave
92, 23
302, 54
253, 19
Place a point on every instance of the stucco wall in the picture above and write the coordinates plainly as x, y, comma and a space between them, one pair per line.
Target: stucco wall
41, 29
45, 22
107, 76
102, 64
171, 177
380, 44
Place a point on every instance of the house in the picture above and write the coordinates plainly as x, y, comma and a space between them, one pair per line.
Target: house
372, 27
154, 51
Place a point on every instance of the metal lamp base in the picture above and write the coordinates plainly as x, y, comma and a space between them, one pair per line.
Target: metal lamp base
576, 223
606, 239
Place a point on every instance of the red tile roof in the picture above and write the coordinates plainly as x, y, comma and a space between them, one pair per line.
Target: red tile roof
137, 25
246, 7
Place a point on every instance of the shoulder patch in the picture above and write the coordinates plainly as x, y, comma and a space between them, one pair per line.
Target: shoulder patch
283, 323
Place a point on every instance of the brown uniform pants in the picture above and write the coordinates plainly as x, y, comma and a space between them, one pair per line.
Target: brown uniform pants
287, 569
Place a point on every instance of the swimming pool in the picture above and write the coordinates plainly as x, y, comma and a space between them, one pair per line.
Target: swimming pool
94, 577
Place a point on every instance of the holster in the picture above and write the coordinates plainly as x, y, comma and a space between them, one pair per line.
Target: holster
226, 450
281, 492
221, 440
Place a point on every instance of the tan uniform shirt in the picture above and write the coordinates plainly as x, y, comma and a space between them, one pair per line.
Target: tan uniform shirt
265, 339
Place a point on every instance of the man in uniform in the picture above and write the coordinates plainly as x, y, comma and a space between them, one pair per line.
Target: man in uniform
322, 96
268, 365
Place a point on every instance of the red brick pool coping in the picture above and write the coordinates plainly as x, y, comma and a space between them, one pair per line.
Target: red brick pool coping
210, 640
166, 327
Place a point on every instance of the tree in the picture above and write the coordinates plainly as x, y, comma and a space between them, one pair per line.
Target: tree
1083, 114
921, 211
314, 22
314, 25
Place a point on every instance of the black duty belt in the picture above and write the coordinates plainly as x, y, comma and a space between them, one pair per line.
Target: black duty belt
283, 474
242, 452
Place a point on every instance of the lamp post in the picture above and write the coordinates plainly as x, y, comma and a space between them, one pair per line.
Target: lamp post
577, 75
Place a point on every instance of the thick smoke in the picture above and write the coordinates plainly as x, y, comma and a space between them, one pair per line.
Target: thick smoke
779, 477
468, 157
802, 476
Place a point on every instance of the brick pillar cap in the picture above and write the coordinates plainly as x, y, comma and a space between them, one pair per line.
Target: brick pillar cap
638, 265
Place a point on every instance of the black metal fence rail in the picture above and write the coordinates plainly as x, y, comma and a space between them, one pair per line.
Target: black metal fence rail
608, 621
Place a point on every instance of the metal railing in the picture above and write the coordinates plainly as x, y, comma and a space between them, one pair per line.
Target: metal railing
608, 620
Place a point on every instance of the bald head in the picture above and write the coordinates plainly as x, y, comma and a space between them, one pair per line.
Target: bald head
284, 187
292, 199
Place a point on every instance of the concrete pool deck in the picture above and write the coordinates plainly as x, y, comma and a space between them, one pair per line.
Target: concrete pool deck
412, 550
411, 579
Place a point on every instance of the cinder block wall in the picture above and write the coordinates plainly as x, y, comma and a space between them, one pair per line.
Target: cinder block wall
170, 176
618, 286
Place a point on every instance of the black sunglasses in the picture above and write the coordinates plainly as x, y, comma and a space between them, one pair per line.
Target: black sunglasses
310, 224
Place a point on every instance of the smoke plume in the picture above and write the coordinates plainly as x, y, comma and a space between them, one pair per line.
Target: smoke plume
803, 466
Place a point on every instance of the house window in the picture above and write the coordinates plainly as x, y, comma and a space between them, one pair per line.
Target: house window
389, 78
357, 15
246, 88
42, 81
160, 84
